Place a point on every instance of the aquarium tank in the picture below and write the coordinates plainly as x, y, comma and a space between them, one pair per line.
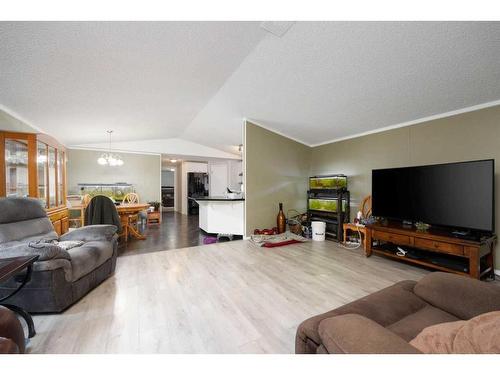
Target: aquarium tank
115, 191
328, 182
327, 205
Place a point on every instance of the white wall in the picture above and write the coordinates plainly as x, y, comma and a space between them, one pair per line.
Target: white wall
11, 123
142, 171
234, 168
178, 188
167, 178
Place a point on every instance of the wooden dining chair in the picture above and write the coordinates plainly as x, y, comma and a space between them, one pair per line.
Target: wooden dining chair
366, 210
131, 198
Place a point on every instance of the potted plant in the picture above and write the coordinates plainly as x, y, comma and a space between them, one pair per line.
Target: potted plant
155, 204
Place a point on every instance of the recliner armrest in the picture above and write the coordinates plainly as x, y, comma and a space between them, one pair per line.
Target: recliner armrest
355, 334
458, 295
102, 232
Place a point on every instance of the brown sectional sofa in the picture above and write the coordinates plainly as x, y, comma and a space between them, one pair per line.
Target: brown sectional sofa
385, 321
11, 333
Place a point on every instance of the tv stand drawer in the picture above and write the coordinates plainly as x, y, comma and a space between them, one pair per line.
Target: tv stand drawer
438, 246
398, 239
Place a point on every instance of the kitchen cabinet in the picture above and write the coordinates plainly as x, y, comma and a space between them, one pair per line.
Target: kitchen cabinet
34, 165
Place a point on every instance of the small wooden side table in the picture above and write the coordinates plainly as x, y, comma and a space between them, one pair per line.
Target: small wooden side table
355, 228
154, 218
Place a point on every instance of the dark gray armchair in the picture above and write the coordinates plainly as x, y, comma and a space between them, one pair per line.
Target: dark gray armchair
60, 277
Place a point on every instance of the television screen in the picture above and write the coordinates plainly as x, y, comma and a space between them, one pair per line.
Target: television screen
458, 195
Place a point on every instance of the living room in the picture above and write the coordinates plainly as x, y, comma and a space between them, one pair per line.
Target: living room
328, 187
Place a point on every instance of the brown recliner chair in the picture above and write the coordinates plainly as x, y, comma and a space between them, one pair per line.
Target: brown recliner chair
385, 321
11, 333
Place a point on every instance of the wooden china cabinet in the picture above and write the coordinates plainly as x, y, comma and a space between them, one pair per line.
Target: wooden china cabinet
34, 165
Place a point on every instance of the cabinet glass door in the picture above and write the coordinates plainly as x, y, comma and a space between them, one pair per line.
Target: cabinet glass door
60, 178
41, 165
16, 167
52, 177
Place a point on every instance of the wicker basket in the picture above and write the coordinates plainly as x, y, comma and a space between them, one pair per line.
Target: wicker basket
295, 221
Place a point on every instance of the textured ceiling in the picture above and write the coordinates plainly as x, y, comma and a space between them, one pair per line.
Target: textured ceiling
144, 80
328, 80
197, 81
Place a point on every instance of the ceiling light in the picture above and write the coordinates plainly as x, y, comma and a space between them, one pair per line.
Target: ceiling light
173, 160
107, 158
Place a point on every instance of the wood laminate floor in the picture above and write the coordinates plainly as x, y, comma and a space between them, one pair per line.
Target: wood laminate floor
176, 231
231, 297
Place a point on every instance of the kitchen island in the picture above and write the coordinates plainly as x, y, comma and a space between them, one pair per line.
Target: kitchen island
221, 215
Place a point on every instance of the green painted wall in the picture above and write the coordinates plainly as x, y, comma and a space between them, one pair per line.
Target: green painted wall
276, 170
469, 136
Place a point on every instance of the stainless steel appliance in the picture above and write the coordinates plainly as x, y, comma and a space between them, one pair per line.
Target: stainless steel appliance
197, 184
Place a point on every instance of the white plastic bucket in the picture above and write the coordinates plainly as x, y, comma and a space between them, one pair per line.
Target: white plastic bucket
318, 230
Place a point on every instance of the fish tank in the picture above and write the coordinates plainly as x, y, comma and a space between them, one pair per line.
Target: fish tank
326, 205
116, 191
335, 182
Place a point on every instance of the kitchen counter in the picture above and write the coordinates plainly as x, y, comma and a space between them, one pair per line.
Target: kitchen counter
216, 199
221, 215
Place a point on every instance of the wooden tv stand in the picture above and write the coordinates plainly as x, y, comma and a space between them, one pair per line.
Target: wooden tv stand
474, 254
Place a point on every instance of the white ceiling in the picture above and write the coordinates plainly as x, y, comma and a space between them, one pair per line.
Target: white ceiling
144, 80
328, 80
197, 81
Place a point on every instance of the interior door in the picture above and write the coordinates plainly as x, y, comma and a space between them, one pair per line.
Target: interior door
218, 179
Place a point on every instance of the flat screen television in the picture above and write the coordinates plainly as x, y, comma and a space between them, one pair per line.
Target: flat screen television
455, 195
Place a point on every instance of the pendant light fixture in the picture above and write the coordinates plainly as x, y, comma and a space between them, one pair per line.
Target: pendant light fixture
108, 158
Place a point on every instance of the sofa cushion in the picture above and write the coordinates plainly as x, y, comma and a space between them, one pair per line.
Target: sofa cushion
478, 335
46, 252
86, 258
385, 307
411, 325
355, 334
27, 230
102, 232
459, 295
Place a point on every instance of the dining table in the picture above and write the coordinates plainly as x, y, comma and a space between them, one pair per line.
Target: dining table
125, 210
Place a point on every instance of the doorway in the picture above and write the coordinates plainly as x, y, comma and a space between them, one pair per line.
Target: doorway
168, 189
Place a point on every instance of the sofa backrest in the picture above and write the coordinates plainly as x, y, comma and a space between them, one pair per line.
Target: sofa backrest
23, 218
458, 295
20, 209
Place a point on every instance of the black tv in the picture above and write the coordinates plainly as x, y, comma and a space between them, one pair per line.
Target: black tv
455, 195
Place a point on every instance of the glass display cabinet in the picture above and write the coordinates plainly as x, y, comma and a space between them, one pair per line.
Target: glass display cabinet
34, 165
